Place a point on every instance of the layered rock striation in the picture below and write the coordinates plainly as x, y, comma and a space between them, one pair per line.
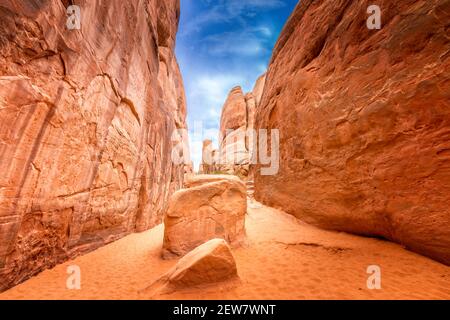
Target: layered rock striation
364, 120
87, 118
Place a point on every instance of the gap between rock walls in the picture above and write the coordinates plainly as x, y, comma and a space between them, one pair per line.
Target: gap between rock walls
336, 156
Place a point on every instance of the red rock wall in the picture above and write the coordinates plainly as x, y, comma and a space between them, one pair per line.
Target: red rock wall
207, 165
364, 120
236, 123
86, 123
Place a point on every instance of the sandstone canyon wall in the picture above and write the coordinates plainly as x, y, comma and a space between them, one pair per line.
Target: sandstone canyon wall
364, 120
236, 124
208, 162
86, 123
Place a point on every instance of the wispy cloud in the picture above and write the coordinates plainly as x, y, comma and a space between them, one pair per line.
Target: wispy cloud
228, 11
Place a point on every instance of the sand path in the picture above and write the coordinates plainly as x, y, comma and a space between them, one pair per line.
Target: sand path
284, 259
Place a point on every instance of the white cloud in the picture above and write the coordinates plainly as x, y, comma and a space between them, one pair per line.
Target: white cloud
206, 99
239, 6
226, 11
244, 42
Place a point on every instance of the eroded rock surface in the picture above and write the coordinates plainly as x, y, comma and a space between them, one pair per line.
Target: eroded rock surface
236, 136
364, 119
212, 207
201, 179
86, 123
209, 263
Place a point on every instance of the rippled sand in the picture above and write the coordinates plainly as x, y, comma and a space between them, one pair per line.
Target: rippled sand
283, 259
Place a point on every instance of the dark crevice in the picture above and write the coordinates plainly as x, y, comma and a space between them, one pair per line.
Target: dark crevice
67, 3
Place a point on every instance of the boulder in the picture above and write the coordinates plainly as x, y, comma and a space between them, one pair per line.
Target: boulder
209, 263
205, 211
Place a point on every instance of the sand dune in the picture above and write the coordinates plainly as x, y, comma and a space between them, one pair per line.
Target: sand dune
283, 259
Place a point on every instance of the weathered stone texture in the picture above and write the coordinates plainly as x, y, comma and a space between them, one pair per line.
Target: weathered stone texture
212, 206
86, 123
364, 119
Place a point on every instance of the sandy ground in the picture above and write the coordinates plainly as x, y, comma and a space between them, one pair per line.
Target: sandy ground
283, 259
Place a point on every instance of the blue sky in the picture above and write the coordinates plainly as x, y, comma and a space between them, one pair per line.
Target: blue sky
221, 44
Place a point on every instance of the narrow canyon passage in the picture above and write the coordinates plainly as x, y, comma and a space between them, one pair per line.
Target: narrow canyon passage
283, 259
320, 168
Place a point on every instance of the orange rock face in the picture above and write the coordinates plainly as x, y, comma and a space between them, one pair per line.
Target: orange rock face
201, 179
213, 206
364, 120
208, 164
237, 121
86, 123
234, 111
